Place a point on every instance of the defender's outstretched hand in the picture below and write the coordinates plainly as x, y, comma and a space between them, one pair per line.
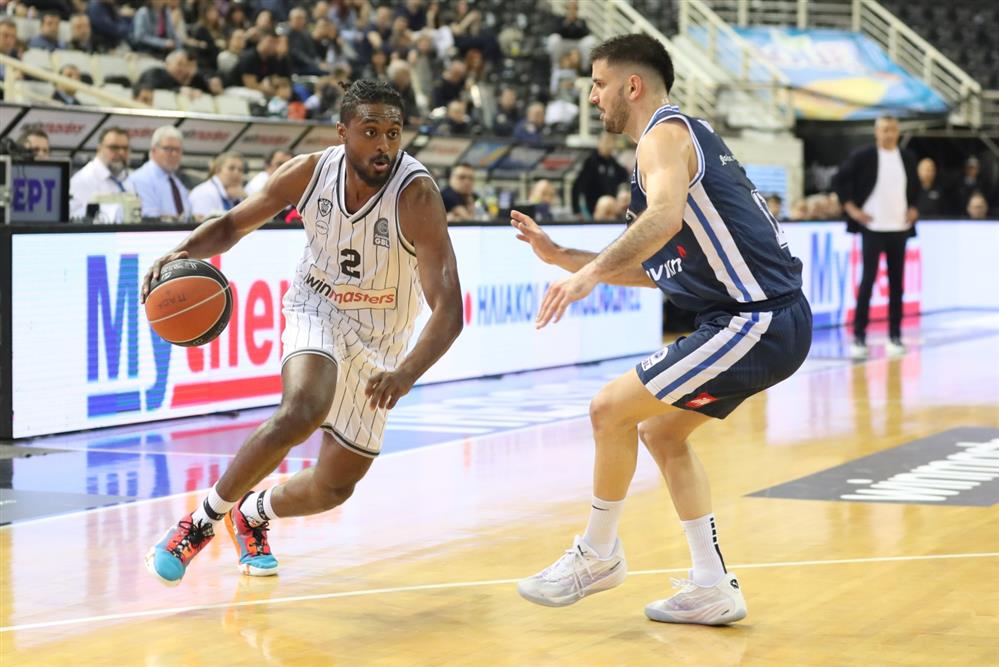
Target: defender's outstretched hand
563, 293
529, 232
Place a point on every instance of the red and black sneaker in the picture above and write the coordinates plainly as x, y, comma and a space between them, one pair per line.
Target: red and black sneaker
168, 559
255, 558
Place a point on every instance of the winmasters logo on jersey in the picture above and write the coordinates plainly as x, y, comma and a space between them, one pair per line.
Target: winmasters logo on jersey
381, 232
351, 297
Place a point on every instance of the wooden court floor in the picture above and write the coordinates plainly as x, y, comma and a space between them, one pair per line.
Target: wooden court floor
419, 568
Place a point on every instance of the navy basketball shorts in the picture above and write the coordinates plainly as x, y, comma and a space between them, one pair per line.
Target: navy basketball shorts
730, 357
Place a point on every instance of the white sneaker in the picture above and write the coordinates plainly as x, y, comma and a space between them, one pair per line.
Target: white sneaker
712, 605
894, 348
578, 573
858, 351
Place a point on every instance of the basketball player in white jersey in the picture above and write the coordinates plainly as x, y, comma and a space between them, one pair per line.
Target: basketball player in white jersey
377, 244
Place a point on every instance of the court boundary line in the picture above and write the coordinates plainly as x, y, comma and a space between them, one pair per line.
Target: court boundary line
457, 584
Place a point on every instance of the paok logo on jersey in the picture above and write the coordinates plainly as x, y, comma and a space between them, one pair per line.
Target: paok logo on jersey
325, 207
382, 233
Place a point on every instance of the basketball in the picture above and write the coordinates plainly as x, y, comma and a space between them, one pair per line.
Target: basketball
190, 304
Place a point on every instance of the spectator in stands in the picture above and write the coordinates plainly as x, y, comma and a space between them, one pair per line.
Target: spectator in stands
423, 59
47, 38
508, 112
36, 140
530, 130
460, 200
978, 206
377, 68
209, 32
415, 14
8, 46
236, 19
109, 25
969, 183
879, 189
607, 209
456, 122
279, 9
465, 27
67, 94
304, 55
330, 45
180, 75
544, 198
451, 86
256, 64
153, 30
80, 37
228, 58
401, 77
158, 183
572, 33
774, 202
262, 23
798, 211
143, 93
932, 202
600, 175
277, 105
274, 159
222, 190
105, 174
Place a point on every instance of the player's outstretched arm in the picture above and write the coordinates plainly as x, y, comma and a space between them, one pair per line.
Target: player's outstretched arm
424, 222
284, 188
570, 259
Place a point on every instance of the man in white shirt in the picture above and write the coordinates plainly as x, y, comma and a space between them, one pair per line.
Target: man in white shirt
274, 160
105, 174
879, 189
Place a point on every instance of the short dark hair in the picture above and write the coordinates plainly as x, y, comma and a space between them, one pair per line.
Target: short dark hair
33, 131
274, 153
637, 49
368, 91
111, 130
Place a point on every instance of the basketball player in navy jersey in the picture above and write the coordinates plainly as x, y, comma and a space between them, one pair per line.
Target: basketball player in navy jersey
377, 243
701, 233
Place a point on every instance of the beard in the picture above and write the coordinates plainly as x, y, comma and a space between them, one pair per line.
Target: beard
616, 115
116, 167
365, 171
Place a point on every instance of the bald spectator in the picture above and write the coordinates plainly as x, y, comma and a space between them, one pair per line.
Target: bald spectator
80, 38
932, 202
544, 197
180, 75
304, 56
157, 182
66, 94
606, 209
978, 206
36, 140
401, 77
47, 38
530, 130
968, 183
153, 30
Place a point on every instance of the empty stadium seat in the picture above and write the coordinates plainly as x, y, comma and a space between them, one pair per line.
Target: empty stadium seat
82, 61
109, 64
201, 104
165, 100
38, 58
26, 28
34, 91
232, 105
141, 63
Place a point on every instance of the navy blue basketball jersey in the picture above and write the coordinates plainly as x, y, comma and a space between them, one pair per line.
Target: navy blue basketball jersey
730, 249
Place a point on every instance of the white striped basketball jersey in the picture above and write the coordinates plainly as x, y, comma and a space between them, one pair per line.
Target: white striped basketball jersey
358, 269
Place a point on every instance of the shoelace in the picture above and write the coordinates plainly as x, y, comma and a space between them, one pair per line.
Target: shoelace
685, 585
195, 534
573, 554
259, 533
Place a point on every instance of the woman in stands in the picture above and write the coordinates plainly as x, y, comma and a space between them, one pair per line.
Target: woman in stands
222, 190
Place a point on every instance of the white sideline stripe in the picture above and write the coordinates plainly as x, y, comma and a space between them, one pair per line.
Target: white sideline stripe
456, 584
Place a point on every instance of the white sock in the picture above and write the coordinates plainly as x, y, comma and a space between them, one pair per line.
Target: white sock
702, 538
601, 531
257, 507
213, 508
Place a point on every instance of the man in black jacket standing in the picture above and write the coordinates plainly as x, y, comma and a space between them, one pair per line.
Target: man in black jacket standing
600, 175
879, 188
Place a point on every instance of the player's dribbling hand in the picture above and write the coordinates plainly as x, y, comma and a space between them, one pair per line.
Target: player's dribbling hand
154, 270
530, 232
385, 389
561, 294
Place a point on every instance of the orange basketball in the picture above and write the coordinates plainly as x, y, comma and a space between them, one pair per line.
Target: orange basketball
190, 304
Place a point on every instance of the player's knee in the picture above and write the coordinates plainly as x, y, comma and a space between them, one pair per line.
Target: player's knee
605, 413
660, 441
298, 422
331, 496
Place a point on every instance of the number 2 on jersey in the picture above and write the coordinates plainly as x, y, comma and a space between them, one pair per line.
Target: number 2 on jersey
351, 259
